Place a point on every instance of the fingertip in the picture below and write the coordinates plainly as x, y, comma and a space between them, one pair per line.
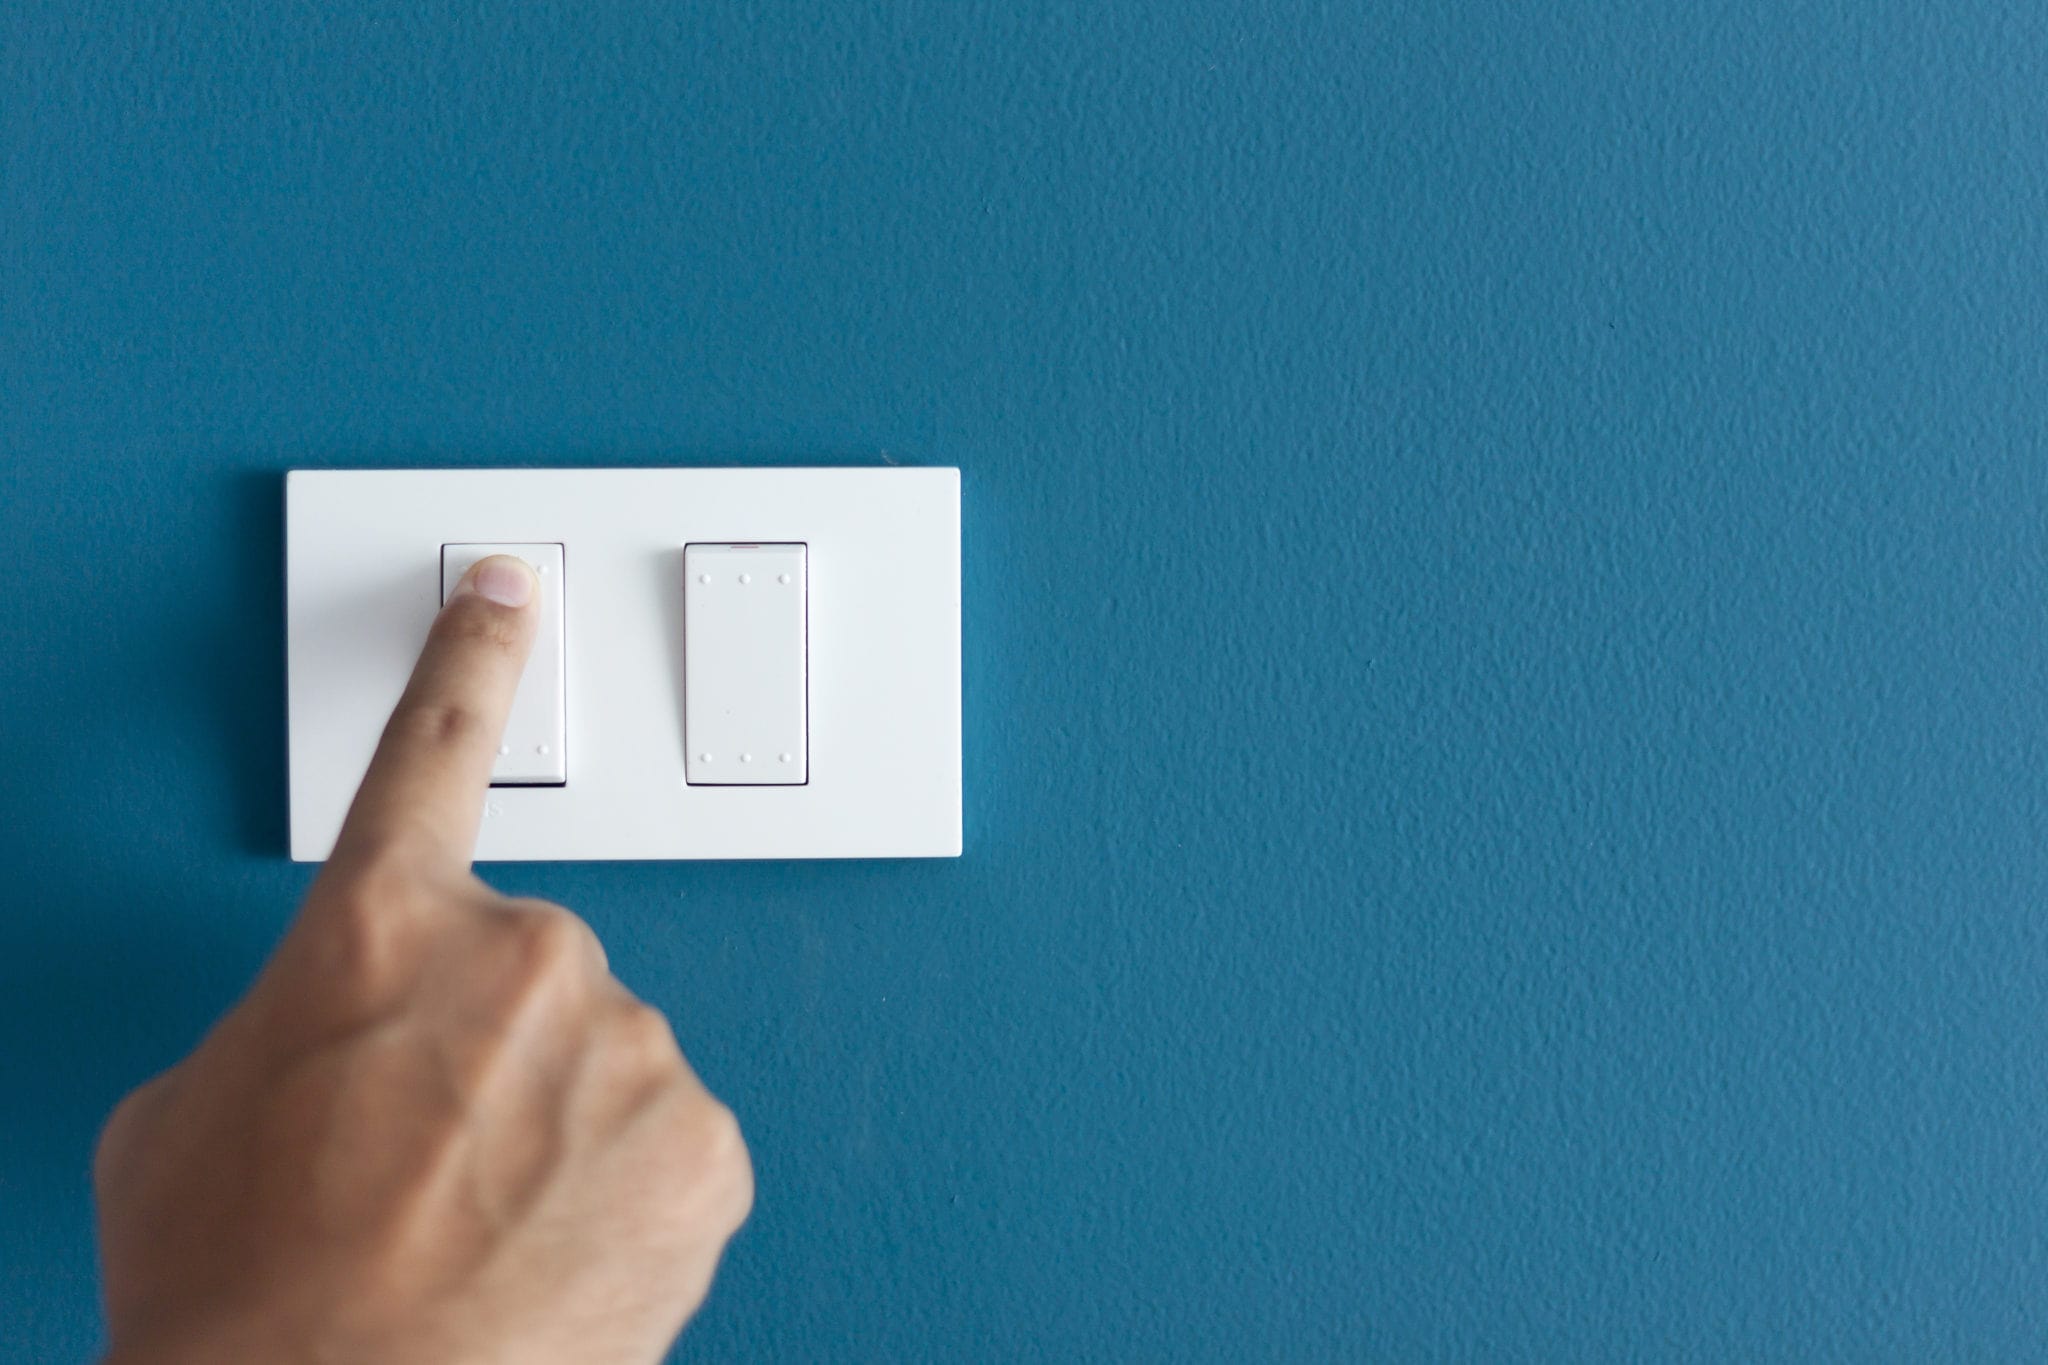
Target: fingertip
505, 579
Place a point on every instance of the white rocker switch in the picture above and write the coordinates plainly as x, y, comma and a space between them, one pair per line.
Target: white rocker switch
746, 642
534, 751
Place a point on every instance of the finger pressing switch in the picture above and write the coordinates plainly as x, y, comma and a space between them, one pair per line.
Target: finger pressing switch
746, 631
534, 751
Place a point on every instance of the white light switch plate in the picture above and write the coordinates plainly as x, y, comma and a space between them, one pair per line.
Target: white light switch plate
881, 560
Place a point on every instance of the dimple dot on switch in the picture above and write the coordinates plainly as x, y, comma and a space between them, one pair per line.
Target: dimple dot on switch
535, 751
746, 664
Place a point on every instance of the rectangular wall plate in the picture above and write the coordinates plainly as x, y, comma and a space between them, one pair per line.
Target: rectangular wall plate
881, 556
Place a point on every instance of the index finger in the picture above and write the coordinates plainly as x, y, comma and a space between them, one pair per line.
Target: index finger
423, 796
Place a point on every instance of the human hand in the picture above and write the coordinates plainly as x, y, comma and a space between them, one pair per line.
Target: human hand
436, 1128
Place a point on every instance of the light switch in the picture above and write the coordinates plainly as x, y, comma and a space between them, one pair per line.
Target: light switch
534, 751
746, 640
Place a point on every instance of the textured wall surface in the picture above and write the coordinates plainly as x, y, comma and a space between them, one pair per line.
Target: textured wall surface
1505, 630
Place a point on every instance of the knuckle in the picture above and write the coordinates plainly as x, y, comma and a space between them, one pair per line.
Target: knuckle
476, 620
356, 943
714, 1141
641, 1035
123, 1128
121, 1120
549, 942
704, 1161
436, 725
725, 1148
383, 875
723, 1138
359, 939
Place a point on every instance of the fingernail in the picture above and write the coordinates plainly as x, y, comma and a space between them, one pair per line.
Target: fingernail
503, 580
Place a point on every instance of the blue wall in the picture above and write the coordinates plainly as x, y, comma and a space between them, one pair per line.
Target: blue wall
1507, 557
